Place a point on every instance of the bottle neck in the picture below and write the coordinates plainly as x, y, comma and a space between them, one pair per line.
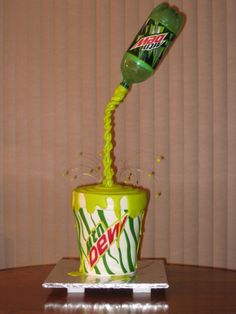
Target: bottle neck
125, 84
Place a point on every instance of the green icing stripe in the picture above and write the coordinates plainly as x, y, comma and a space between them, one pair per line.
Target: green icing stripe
97, 271
139, 230
131, 266
139, 224
81, 227
83, 255
84, 220
85, 269
131, 225
77, 229
111, 256
82, 251
106, 266
94, 223
102, 217
121, 262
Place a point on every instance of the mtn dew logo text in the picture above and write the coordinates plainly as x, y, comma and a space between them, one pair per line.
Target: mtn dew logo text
107, 245
151, 43
100, 240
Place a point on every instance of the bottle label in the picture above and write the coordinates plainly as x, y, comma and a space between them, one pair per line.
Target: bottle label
151, 42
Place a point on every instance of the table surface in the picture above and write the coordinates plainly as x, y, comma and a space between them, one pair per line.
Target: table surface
192, 290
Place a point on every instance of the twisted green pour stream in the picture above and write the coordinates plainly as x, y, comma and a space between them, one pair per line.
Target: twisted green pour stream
116, 99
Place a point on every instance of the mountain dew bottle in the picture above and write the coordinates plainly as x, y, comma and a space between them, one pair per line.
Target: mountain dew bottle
151, 44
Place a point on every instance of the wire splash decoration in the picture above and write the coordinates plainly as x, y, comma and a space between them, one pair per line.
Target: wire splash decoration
92, 168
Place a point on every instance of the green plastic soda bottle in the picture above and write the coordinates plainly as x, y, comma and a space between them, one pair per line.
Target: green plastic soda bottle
151, 44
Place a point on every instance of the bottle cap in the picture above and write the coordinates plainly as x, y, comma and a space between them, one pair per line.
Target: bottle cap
170, 17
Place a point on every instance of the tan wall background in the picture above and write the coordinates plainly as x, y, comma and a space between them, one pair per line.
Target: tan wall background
59, 62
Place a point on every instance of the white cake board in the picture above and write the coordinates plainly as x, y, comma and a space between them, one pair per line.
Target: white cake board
149, 275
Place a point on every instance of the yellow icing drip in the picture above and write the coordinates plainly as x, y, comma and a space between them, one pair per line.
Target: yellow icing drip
87, 278
98, 196
75, 273
116, 99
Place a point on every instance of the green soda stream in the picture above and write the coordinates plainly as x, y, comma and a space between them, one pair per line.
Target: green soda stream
138, 64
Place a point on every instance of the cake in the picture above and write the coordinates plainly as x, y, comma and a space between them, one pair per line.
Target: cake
109, 225
109, 216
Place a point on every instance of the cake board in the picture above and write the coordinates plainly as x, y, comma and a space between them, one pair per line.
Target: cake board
150, 275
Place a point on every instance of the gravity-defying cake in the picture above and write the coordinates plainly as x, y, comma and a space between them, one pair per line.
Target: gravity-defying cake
109, 215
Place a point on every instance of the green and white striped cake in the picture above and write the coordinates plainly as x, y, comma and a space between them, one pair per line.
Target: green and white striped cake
109, 226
